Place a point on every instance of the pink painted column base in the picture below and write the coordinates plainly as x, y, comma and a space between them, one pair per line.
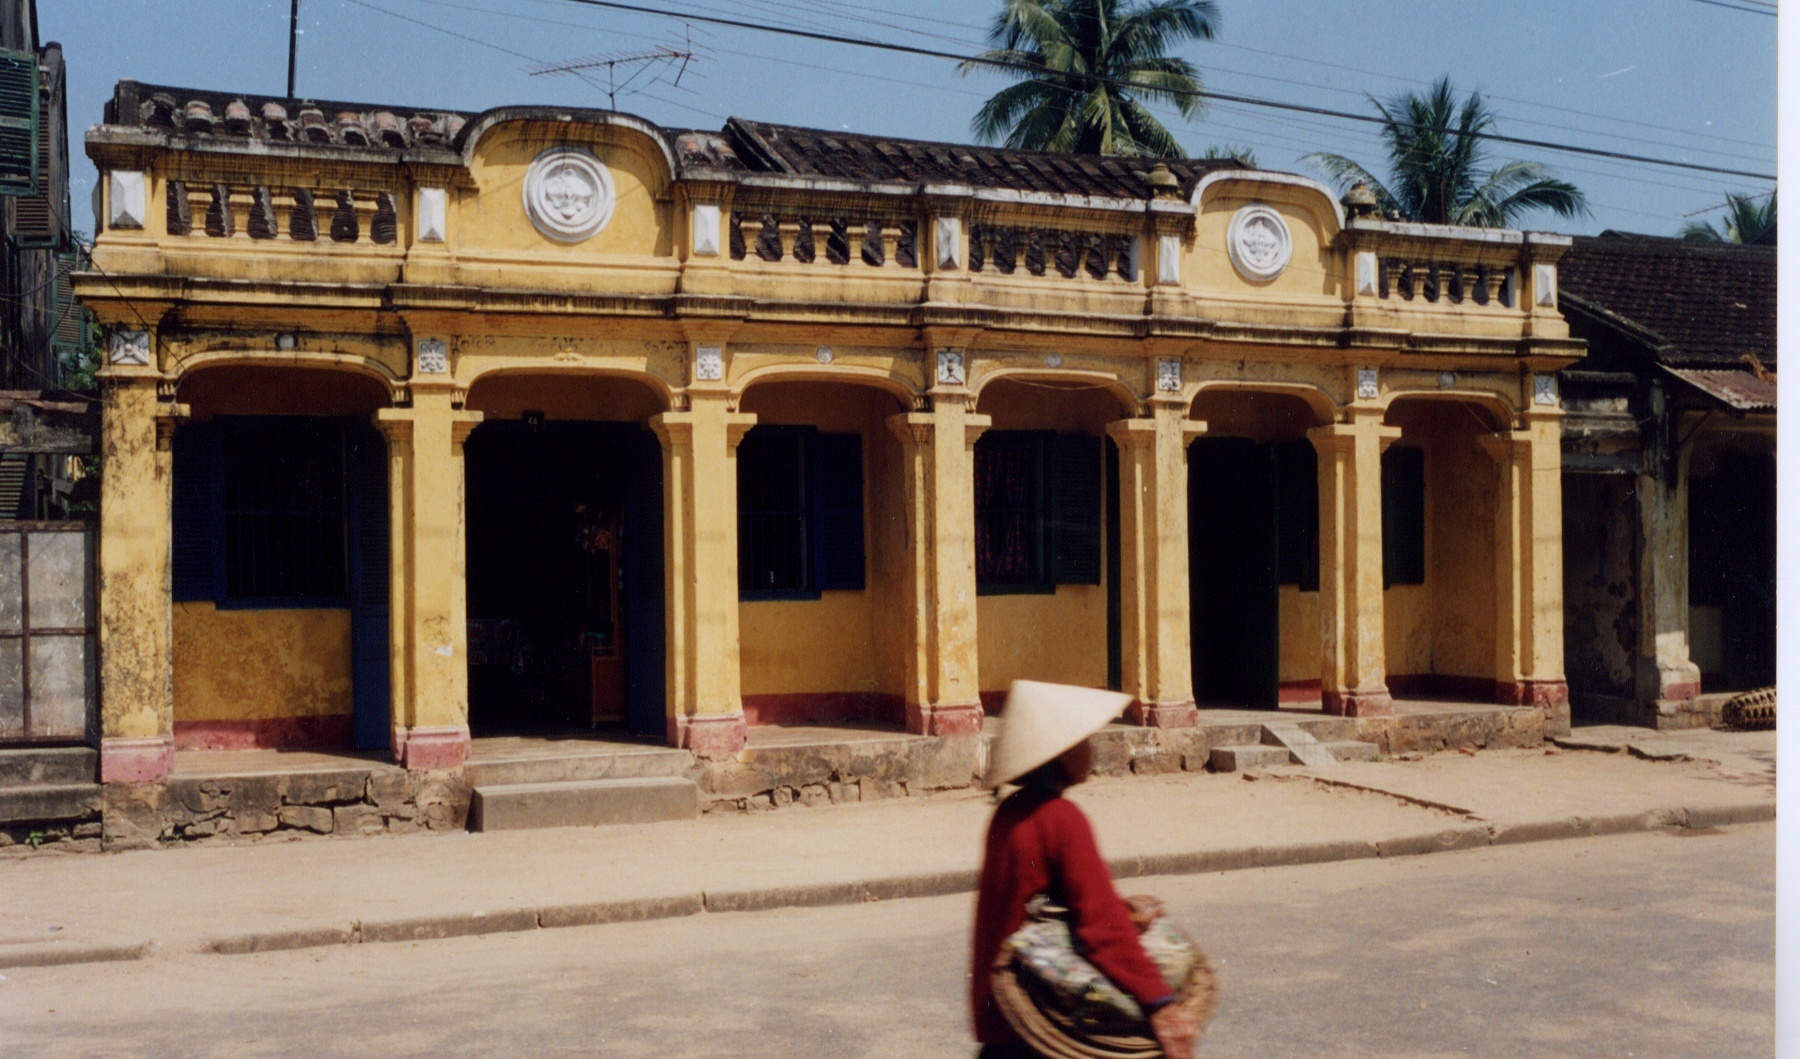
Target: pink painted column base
431, 749
716, 736
1163, 714
960, 719
1552, 695
136, 760
1358, 703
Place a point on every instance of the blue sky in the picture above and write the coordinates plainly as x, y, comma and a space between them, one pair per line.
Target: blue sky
1677, 79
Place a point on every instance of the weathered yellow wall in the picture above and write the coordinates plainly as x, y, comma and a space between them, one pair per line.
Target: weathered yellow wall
572, 397
1446, 626
1060, 638
843, 641
492, 219
253, 665
261, 390
1312, 270
1300, 655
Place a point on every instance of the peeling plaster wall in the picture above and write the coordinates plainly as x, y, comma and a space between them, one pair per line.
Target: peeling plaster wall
259, 665
1600, 594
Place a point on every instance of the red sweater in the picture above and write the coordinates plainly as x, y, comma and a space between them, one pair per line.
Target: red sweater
1039, 842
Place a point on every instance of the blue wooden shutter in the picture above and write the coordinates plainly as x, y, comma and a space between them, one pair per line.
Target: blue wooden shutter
20, 123
366, 471
641, 552
1403, 516
196, 515
837, 512
1073, 473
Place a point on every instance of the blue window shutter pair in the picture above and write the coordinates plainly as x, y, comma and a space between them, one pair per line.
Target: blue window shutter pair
1073, 474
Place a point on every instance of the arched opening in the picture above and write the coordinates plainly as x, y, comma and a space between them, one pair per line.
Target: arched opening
822, 558
279, 548
1047, 535
564, 531
1439, 506
1253, 561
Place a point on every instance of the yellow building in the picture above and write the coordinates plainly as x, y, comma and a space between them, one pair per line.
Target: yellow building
424, 424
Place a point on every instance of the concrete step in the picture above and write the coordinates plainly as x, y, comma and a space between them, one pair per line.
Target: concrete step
48, 803
1303, 748
1350, 750
33, 766
583, 803
503, 768
1239, 758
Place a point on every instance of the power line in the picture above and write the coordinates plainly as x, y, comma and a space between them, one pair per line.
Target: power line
1769, 10
1038, 70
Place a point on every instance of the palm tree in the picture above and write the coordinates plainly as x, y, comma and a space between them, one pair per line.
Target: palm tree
1102, 61
1744, 222
1437, 166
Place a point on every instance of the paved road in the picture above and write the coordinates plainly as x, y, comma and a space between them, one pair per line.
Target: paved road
1644, 945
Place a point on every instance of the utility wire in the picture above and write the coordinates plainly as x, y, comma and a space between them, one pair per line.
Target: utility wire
1039, 71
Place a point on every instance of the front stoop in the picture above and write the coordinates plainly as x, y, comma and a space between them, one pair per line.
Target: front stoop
48, 797
1284, 744
583, 803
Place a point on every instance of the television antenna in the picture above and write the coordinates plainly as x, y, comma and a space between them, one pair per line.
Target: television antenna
623, 69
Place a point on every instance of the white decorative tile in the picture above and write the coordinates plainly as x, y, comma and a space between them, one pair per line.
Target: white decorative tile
824, 354
709, 364
1168, 376
1543, 282
706, 230
947, 237
950, 367
1543, 389
568, 193
125, 196
431, 204
1258, 243
130, 348
1446, 380
433, 356
1368, 384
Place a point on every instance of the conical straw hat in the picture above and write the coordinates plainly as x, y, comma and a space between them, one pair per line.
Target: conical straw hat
1043, 720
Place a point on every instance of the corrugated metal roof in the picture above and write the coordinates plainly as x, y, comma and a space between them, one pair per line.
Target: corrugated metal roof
1742, 391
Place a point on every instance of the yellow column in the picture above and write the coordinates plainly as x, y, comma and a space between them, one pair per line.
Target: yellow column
943, 688
429, 588
1153, 581
1528, 647
1354, 680
137, 711
706, 713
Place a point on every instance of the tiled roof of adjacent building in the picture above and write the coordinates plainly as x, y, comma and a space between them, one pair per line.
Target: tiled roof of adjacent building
1696, 304
741, 146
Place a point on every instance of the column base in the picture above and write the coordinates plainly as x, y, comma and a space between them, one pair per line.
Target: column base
430, 749
1162, 714
146, 760
1552, 695
959, 719
719, 735
1377, 703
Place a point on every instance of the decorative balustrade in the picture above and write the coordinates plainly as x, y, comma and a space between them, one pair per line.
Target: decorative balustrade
833, 239
1448, 282
342, 215
1007, 249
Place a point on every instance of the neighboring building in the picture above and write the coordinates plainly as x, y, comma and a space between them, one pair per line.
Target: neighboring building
422, 425
1669, 477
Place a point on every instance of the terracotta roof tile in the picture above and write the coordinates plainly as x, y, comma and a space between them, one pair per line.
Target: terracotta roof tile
1704, 303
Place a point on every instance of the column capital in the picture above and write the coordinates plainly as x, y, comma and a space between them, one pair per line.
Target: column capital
1333, 436
1144, 430
676, 429
1506, 446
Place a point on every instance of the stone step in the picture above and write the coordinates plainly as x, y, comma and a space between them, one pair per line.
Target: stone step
34, 766
1351, 750
502, 768
1304, 749
48, 803
1239, 758
583, 803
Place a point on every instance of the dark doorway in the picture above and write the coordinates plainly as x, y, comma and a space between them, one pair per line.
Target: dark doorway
1232, 534
564, 544
1731, 567
1600, 595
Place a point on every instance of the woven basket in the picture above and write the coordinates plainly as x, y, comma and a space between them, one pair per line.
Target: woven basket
1751, 710
1057, 1036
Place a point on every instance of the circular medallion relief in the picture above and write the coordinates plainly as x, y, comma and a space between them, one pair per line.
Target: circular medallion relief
568, 194
1258, 243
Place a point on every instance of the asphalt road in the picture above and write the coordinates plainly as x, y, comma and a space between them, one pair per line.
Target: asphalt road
1645, 945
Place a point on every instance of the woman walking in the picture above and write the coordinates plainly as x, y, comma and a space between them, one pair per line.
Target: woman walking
1040, 842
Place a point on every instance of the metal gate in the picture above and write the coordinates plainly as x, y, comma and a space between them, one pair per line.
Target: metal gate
48, 672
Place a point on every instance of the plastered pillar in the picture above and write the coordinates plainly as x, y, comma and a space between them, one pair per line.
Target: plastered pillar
706, 713
1667, 672
1157, 658
429, 583
137, 707
1354, 678
943, 688
1528, 626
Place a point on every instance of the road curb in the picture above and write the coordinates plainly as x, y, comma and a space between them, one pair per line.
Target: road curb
899, 887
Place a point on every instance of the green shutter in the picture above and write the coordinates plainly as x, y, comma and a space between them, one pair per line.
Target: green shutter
1073, 474
19, 123
1403, 516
